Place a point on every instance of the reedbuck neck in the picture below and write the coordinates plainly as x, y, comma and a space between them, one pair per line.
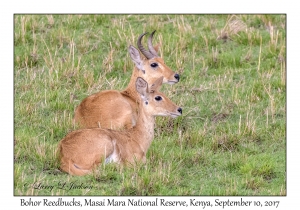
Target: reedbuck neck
153, 103
82, 150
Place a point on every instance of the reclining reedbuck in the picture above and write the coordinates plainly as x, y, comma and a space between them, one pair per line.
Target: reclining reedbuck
81, 151
114, 109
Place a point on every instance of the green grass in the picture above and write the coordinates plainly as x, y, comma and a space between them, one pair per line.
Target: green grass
231, 139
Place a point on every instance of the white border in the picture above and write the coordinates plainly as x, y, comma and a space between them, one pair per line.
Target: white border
152, 6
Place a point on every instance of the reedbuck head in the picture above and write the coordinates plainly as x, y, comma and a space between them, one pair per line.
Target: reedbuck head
154, 102
152, 66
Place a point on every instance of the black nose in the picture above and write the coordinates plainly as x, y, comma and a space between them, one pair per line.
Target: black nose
179, 110
177, 77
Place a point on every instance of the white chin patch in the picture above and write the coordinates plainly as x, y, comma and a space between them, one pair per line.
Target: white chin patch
172, 82
174, 115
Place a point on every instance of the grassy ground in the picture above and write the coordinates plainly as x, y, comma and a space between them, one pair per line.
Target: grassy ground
231, 139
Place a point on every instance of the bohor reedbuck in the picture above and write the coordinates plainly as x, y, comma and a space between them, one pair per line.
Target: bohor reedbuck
81, 151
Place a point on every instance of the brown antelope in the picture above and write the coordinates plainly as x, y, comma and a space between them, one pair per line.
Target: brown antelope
82, 150
114, 109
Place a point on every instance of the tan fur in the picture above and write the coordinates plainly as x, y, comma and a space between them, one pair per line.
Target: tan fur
118, 109
81, 151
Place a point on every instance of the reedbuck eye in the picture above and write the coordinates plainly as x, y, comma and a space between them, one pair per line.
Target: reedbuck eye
153, 65
158, 98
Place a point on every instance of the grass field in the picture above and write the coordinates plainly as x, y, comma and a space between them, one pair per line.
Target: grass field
231, 139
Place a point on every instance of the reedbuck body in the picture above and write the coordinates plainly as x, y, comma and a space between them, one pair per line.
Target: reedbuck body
114, 109
82, 150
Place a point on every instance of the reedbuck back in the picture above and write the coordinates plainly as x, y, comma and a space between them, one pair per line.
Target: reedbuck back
83, 150
116, 110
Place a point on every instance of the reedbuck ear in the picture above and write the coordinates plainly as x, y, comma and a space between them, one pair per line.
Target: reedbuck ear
136, 58
157, 47
142, 87
156, 85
